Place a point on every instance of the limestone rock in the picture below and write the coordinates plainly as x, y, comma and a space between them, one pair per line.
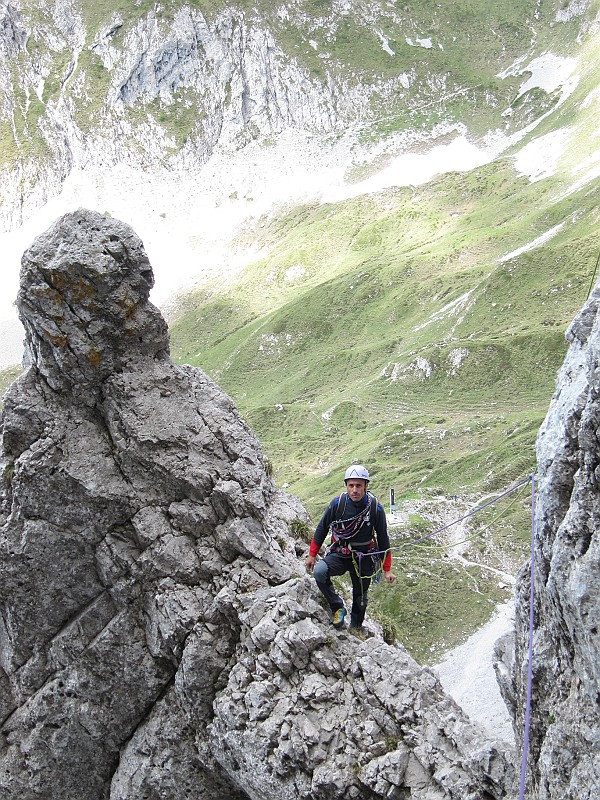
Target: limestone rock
158, 635
229, 79
564, 753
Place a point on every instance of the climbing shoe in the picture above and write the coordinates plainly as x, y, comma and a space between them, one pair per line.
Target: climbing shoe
338, 618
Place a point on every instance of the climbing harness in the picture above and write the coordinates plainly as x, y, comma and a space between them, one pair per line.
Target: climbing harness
343, 530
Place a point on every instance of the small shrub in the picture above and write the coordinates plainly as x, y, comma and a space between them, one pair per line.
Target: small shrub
9, 471
301, 530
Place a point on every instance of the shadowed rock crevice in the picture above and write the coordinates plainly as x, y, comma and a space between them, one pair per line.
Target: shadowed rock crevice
158, 635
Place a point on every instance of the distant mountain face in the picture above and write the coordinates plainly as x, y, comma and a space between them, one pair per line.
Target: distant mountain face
89, 84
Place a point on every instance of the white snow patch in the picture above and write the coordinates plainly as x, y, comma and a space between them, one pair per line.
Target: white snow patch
294, 273
419, 43
327, 415
539, 158
385, 43
590, 175
548, 72
454, 307
549, 234
413, 169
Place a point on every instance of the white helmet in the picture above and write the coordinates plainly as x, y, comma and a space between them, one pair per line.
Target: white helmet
357, 471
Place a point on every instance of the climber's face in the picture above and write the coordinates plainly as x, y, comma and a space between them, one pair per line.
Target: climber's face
356, 489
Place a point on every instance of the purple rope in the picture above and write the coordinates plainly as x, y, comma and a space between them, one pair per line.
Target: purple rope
530, 666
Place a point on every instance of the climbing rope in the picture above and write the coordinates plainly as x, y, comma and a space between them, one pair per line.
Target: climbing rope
454, 522
476, 535
530, 665
594, 276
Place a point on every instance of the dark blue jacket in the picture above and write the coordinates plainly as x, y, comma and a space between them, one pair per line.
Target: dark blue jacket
374, 529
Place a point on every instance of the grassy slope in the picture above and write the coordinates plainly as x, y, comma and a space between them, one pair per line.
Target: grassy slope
329, 329
376, 271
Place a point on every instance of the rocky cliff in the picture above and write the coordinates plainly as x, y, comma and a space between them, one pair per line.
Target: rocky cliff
564, 753
157, 89
158, 635
164, 85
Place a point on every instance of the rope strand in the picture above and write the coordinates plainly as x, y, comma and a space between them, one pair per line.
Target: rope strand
530, 665
456, 521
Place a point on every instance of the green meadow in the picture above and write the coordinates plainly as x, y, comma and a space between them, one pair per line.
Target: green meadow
397, 330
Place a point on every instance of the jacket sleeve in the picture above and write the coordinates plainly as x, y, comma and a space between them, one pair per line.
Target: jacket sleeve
323, 527
383, 540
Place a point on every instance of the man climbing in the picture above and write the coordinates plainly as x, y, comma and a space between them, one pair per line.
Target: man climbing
359, 543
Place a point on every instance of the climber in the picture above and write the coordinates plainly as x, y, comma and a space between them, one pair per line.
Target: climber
358, 529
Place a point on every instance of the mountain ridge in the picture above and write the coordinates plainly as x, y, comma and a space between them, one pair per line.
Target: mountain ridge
123, 66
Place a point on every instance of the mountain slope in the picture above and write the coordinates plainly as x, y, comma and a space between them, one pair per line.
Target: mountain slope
387, 311
98, 83
417, 328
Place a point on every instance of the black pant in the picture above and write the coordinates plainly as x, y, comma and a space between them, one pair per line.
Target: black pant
336, 564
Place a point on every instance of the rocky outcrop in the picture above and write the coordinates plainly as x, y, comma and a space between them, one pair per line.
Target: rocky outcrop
154, 89
564, 752
158, 635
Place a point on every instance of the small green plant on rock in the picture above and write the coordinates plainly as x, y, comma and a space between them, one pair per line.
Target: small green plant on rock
301, 530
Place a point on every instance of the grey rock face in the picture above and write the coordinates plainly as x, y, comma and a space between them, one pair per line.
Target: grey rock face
158, 636
564, 754
83, 303
227, 76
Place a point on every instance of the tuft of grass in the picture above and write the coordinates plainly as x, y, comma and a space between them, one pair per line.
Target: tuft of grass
301, 530
7, 376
